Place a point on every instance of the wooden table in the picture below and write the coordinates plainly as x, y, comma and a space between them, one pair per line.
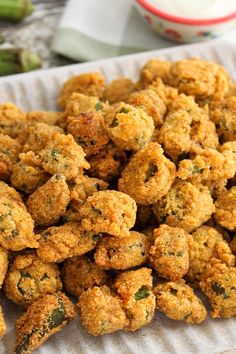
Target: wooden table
36, 31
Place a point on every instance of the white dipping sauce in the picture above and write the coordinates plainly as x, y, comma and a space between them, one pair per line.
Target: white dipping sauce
200, 9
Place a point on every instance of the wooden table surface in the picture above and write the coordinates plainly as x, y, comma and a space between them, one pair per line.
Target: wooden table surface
36, 31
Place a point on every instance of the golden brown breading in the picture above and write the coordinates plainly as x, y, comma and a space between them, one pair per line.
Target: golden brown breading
13, 120
167, 93
225, 213
3, 264
42, 319
180, 207
78, 103
48, 203
29, 278
80, 273
122, 253
129, 128
9, 155
46, 117
91, 84
135, 290
9, 192
170, 253
118, 90
153, 70
60, 242
109, 212
3, 327
148, 175
178, 301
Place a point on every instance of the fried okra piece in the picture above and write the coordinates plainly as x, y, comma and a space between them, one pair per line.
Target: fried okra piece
16, 225
88, 130
225, 213
9, 192
78, 103
3, 326
149, 101
46, 117
206, 243
154, 69
109, 212
80, 273
129, 128
233, 244
178, 301
27, 174
108, 163
9, 155
43, 318
118, 90
13, 120
3, 264
29, 278
60, 242
170, 253
101, 311
218, 283
167, 93
63, 155
49, 202
90, 84
148, 175
180, 207
122, 253
135, 289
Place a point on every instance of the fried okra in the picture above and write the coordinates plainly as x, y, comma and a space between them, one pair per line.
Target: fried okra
225, 213
29, 278
3, 265
9, 155
60, 242
46, 117
9, 192
178, 301
48, 203
167, 93
43, 318
118, 90
90, 84
101, 311
3, 327
122, 253
152, 179
149, 101
170, 253
180, 207
218, 283
13, 120
78, 103
153, 70
135, 289
88, 130
80, 273
129, 128
108, 163
206, 243
109, 212
63, 155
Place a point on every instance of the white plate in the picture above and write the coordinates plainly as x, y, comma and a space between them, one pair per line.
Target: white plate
38, 90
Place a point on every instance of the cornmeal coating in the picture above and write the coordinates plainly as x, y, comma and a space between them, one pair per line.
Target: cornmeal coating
3, 264
170, 253
108, 163
178, 301
78, 103
206, 243
149, 101
60, 242
16, 225
101, 311
153, 70
13, 120
109, 212
180, 207
218, 283
129, 128
48, 203
148, 175
225, 213
135, 289
90, 84
167, 93
80, 273
29, 278
233, 244
9, 155
9, 192
46, 117
118, 90
27, 174
3, 326
88, 130
43, 318
63, 155
122, 253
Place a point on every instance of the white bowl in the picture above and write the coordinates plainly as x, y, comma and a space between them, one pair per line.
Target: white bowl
182, 29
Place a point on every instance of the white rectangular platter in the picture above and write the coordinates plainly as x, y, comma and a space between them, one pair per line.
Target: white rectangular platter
39, 90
